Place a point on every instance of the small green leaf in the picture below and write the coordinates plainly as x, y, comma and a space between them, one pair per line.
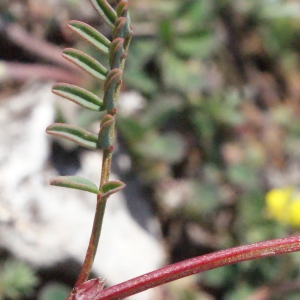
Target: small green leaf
106, 12
79, 96
132, 129
168, 147
104, 138
75, 182
91, 35
176, 73
86, 63
121, 28
200, 45
54, 291
17, 279
111, 74
111, 187
122, 12
115, 52
73, 133
112, 80
122, 8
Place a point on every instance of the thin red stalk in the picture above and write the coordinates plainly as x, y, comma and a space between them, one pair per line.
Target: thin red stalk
24, 71
37, 46
200, 264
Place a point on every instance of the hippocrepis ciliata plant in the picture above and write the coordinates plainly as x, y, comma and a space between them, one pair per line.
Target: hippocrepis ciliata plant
111, 79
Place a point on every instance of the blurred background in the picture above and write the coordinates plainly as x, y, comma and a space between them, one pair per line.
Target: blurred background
208, 139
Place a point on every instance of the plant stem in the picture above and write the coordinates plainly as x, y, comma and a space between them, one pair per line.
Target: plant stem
200, 264
97, 224
92, 247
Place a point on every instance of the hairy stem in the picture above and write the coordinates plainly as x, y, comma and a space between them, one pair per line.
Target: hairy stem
200, 264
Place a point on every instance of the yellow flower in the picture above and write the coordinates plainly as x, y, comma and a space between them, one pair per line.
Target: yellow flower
277, 201
294, 212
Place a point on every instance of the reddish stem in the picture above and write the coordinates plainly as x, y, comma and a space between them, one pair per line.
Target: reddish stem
200, 264
11, 70
37, 46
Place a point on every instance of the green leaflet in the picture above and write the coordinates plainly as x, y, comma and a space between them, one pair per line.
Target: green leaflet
118, 30
74, 134
122, 28
166, 147
111, 187
106, 12
111, 74
75, 182
86, 63
110, 85
104, 139
79, 96
122, 12
115, 52
122, 8
91, 35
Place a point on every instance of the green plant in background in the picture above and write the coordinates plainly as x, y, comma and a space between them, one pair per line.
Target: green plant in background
220, 84
54, 291
17, 279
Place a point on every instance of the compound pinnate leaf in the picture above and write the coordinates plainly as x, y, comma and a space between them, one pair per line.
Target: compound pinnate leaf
106, 12
74, 134
79, 96
86, 63
111, 187
75, 182
91, 35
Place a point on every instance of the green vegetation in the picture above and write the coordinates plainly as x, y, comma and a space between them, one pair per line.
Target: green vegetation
218, 130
